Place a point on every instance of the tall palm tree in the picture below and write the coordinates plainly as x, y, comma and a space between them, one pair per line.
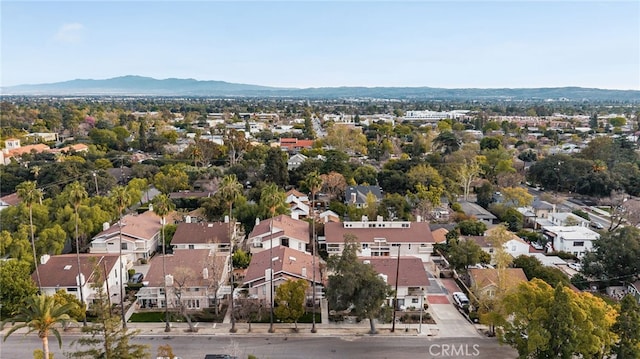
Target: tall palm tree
77, 194
271, 197
41, 313
162, 205
30, 194
230, 189
121, 199
314, 183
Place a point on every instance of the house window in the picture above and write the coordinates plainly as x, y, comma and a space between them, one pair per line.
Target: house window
414, 300
578, 244
192, 246
123, 246
365, 245
490, 250
395, 244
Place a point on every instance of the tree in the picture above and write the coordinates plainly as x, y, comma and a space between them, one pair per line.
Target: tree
290, 300
121, 200
106, 338
16, 286
467, 173
275, 170
463, 252
182, 276
333, 184
171, 179
355, 286
471, 227
447, 142
241, 259
313, 181
614, 256
29, 194
41, 314
627, 327
519, 196
162, 205
77, 194
533, 268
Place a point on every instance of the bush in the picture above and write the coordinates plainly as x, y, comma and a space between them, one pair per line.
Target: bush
564, 255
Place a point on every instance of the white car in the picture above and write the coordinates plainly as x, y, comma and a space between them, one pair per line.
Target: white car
575, 266
460, 299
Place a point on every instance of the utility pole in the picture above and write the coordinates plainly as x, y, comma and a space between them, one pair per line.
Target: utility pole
395, 299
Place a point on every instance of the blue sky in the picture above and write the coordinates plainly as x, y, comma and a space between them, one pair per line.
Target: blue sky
449, 44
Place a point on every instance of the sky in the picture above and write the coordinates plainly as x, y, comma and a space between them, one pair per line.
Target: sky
452, 44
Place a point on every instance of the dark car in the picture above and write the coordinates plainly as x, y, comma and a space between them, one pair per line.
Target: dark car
219, 356
136, 278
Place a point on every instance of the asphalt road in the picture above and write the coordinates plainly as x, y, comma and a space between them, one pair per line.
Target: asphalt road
276, 347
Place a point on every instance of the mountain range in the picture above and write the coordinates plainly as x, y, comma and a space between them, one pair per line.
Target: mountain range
146, 86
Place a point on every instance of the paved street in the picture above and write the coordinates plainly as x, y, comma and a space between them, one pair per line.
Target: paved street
289, 346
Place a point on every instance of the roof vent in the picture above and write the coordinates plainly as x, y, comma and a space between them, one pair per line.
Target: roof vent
67, 267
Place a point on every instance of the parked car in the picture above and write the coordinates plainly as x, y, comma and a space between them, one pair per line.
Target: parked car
596, 225
136, 278
460, 299
575, 266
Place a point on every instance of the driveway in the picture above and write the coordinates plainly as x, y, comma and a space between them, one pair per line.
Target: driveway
449, 321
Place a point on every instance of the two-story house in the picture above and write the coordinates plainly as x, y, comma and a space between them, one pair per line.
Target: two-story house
61, 273
279, 231
576, 240
140, 235
213, 236
412, 279
382, 238
357, 195
194, 276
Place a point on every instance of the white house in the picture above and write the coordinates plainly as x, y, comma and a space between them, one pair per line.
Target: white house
576, 240
412, 279
61, 273
214, 236
279, 231
140, 235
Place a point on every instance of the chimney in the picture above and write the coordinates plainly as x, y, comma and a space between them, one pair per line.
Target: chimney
168, 280
295, 215
80, 279
257, 221
353, 197
205, 273
151, 207
418, 218
267, 274
187, 219
105, 226
379, 219
226, 219
44, 259
365, 218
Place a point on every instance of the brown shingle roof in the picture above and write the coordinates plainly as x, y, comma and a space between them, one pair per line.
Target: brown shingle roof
54, 274
289, 262
282, 225
201, 233
144, 225
440, 235
195, 260
417, 232
411, 271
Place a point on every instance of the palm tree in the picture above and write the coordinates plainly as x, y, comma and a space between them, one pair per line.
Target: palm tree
314, 183
162, 205
77, 194
271, 197
30, 194
230, 189
122, 200
41, 313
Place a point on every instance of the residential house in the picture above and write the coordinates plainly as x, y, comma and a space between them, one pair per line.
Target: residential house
537, 210
218, 237
634, 289
562, 219
286, 263
382, 238
140, 235
357, 195
298, 204
576, 240
515, 246
295, 161
440, 235
196, 276
412, 279
9, 200
329, 216
484, 283
279, 231
475, 211
61, 273
295, 145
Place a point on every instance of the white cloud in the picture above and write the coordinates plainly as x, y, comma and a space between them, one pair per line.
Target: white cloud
69, 33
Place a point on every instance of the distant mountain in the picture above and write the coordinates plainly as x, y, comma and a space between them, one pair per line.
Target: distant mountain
146, 86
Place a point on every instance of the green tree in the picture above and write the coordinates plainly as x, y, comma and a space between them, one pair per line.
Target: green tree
272, 201
463, 252
241, 259
162, 205
41, 314
77, 194
51, 240
275, 169
16, 286
355, 284
290, 300
447, 142
627, 327
471, 227
78, 309
172, 178
30, 194
614, 256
